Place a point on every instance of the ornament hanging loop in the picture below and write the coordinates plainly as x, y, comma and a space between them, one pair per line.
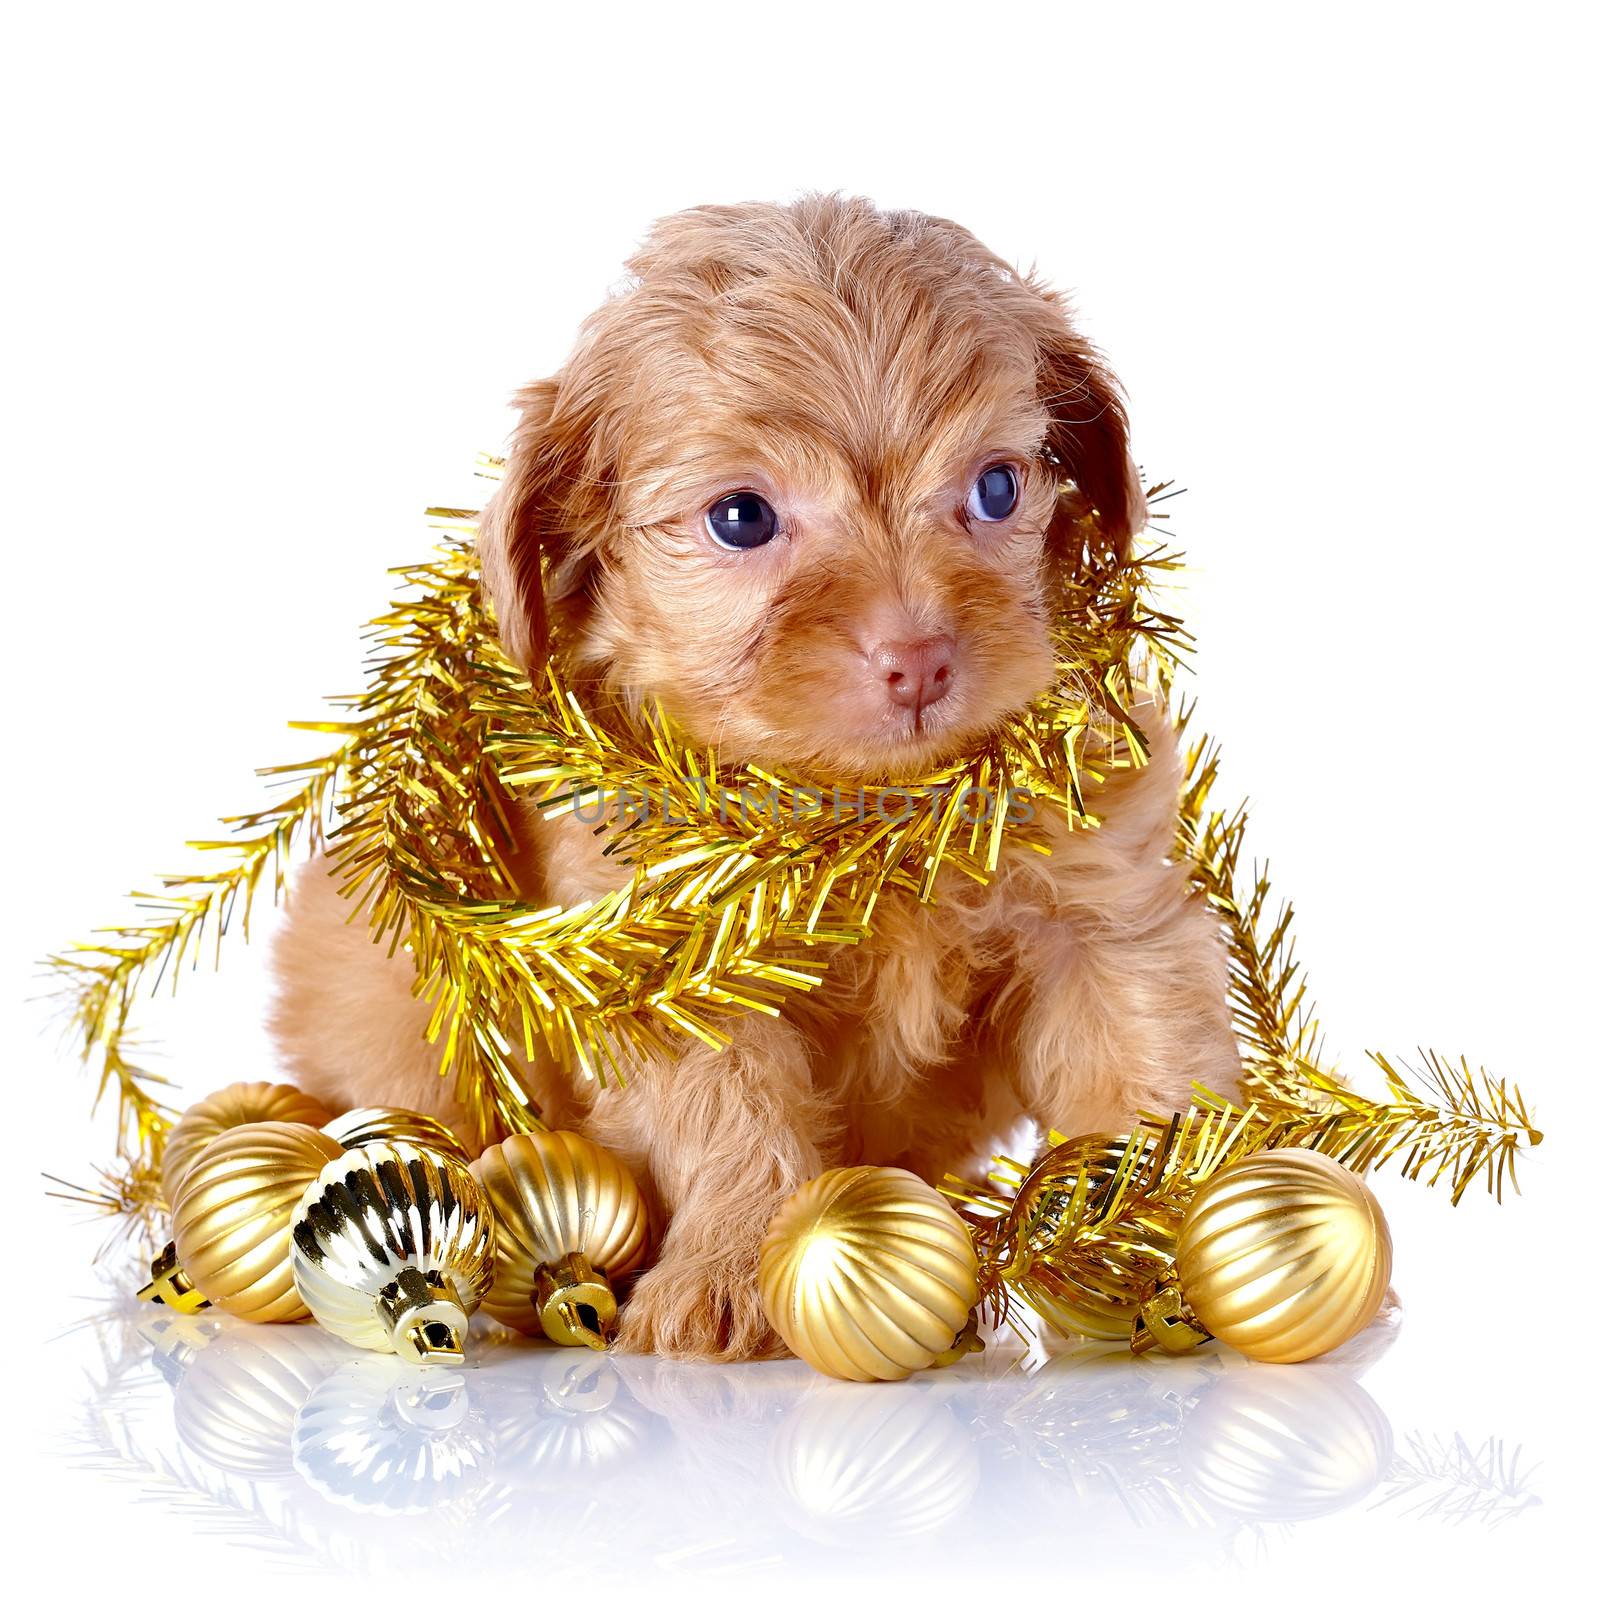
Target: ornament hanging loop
966, 1343
171, 1286
1166, 1321
424, 1317
575, 1302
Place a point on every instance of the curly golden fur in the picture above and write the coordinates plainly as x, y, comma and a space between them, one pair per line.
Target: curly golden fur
858, 369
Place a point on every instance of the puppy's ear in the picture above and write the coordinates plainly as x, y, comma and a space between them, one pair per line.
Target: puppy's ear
520, 524
1087, 436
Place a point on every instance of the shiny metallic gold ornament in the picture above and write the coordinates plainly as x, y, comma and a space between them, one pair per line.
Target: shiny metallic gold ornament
394, 1249
228, 1108
230, 1227
383, 1124
1284, 1255
867, 1273
571, 1223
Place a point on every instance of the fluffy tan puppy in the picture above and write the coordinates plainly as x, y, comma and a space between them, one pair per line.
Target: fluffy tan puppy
806, 479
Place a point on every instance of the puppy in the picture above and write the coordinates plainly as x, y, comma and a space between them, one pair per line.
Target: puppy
809, 478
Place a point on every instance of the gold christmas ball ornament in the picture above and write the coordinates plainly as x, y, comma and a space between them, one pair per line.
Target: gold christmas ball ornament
384, 1124
571, 1223
867, 1273
229, 1108
230, 1226
394, 1249
1284, 1255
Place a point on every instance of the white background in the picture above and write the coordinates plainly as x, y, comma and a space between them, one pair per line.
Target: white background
274, 270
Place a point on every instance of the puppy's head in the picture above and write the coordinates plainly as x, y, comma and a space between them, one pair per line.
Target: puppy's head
810, 479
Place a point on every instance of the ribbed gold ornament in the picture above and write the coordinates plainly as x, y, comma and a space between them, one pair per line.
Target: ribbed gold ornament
394, 1248
383, 1124
867, 1273
228, 1108
1284, 1255
230, 1227
570, 1223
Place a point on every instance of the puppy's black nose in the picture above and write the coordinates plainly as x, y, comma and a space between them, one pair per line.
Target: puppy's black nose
918, 672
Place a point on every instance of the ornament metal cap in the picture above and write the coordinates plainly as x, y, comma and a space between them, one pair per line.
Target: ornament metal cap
966, 1343
425, 1319
575, 1301
171, 1286
1166, 1321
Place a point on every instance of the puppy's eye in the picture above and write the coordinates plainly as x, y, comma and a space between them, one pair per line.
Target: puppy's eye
994, 496
742, 521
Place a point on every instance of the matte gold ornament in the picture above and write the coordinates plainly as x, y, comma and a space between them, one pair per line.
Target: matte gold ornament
394, 1249
383, 1124
867, 1273
1284, 1255
570, 1223
230, 1227
1092, 1169
228, 1108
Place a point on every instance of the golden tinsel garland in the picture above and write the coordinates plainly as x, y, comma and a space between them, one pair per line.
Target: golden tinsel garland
731, 908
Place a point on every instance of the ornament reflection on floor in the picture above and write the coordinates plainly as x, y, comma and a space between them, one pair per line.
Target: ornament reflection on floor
281, 1435
392, 1440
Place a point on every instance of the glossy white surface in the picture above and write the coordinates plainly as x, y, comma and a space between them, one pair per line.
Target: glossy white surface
258, 1449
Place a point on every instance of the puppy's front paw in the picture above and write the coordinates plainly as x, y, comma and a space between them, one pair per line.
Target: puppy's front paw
697, 1310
